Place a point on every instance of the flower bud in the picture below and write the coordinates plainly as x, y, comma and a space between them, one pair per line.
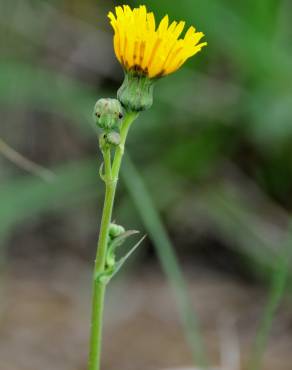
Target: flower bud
113, 138
136, 92
115, 230
107, 140
108, 113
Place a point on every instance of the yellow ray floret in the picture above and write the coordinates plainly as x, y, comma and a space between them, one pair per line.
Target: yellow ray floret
155, 51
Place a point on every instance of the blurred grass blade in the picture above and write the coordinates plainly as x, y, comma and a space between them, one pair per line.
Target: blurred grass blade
31, 195
24, 163
277, 290
166, 255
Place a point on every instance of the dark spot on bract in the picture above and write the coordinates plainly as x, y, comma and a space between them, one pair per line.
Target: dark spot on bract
120, 115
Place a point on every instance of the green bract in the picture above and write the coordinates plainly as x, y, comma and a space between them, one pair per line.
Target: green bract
136, 92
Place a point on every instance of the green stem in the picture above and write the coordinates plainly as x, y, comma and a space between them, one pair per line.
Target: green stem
130, 117
111, 179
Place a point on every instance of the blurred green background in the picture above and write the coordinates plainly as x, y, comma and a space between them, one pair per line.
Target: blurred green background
208, 178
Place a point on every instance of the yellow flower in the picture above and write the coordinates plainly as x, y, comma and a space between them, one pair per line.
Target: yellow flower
153, 52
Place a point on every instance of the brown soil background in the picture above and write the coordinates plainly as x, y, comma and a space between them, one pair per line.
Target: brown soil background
45, 320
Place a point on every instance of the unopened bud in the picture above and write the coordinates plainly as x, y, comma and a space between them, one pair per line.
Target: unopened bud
115, 230
113, 138
108, 113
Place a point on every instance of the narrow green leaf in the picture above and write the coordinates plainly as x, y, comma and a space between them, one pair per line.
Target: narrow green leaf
167, 257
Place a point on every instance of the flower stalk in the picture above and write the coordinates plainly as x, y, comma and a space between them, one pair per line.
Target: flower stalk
110, 178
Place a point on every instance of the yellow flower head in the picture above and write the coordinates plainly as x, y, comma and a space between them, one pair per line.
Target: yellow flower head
154, 52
